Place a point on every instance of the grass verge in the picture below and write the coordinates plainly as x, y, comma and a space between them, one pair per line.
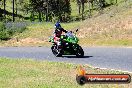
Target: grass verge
37, 34
18, 73
106, 42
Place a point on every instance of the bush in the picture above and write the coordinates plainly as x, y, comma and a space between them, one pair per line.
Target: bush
4, 34
9, 29
18, 27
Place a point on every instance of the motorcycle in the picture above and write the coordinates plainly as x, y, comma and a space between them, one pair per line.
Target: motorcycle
68, 45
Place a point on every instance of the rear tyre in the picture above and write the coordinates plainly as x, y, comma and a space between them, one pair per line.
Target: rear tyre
79, 52
57, 52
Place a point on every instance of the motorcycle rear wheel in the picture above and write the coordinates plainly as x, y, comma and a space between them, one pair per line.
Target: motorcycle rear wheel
79, 52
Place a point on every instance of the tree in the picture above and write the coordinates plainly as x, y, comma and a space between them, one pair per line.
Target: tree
4, 5
16, 6
0, 10
13, 10
60, 8
47, 10
38, 6
4, 8
81, 4
50, 7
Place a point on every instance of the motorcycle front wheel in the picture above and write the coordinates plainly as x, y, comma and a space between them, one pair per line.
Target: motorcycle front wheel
57, 52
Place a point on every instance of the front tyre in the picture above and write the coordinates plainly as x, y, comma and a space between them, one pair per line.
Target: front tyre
57, 52
79, 52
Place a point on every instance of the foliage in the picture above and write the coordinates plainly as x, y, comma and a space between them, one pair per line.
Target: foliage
61, 8
51, 8
13, 28
6, 31
4, 35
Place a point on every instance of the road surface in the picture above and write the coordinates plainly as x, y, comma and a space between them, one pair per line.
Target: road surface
103, 57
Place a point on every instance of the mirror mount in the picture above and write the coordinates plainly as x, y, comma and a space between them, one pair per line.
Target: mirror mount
77, 30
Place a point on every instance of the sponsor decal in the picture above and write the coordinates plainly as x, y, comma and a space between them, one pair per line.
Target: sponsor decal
82, 77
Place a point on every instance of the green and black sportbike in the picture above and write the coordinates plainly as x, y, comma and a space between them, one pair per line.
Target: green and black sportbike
68, 45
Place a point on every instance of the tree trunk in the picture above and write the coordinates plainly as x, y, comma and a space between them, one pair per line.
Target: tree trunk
59, 19
32, 16
79, 8
40, 19
4, 8
13, 15
116, 1
82, 11
47, 11
89, 8
16, 6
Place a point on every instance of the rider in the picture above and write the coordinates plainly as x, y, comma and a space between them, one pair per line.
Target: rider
58, 31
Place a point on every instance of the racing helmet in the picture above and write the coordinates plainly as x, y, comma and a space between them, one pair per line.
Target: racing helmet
57, 25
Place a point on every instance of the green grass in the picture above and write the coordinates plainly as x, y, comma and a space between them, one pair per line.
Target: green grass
74, 9
49, 25
44, 30
37, 34
27, 73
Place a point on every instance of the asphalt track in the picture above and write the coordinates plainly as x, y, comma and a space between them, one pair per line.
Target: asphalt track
104, 57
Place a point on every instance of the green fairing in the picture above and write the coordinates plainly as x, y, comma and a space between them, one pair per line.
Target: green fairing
67, 39
71, 39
